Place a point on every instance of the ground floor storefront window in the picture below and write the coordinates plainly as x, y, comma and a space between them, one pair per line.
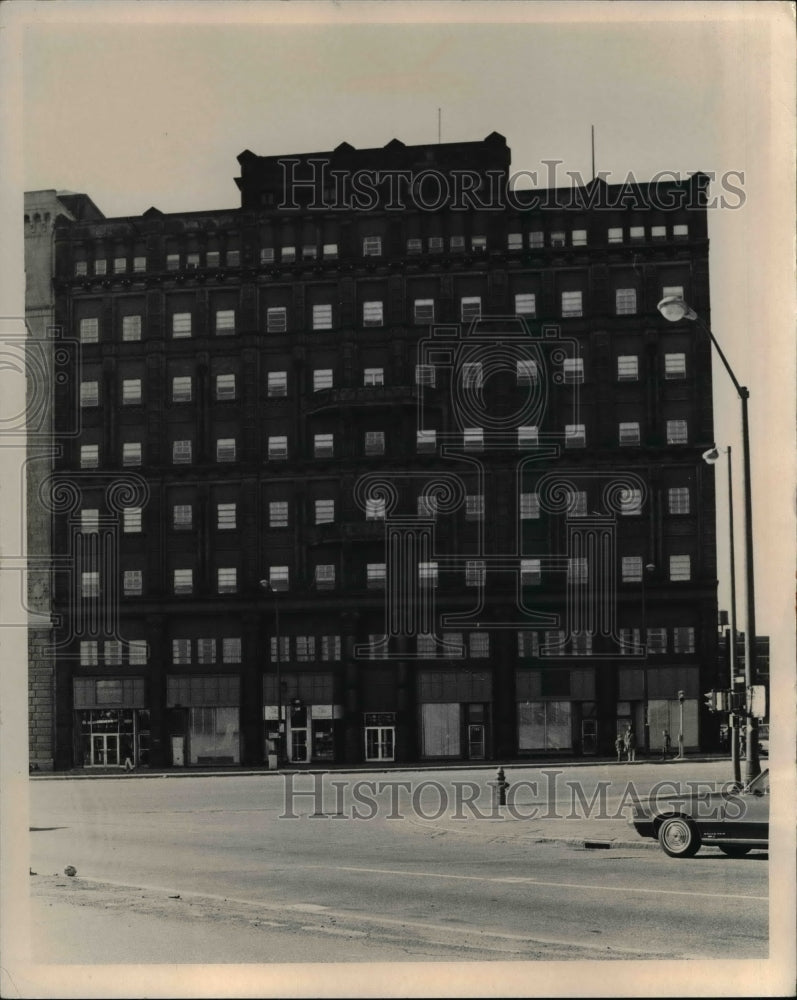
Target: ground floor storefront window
111, 724
380, 736
454, 709
308, 726
204, 719
545, 725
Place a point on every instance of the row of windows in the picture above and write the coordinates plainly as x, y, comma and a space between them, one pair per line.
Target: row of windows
373, 314
226, 450
325, 575
678, 503
371, 246
470, 376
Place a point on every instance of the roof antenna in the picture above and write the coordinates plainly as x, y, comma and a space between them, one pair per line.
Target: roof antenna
593, 151
439, 125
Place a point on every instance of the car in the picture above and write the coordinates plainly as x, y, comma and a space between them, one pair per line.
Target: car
735, 819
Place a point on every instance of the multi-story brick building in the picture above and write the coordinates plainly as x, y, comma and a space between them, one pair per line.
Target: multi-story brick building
421, 474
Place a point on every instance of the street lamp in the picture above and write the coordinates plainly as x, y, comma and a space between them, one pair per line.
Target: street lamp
711, 456
268, 585
681, 696
673, 308
648, 569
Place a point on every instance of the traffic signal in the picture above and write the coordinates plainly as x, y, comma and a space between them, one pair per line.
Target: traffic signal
711, 700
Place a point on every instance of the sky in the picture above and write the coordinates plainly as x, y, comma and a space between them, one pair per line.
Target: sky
151, 104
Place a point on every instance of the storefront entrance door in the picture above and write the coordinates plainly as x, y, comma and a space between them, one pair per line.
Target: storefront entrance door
476, 741
104, 749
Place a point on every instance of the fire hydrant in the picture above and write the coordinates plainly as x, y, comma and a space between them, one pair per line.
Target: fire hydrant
500, 786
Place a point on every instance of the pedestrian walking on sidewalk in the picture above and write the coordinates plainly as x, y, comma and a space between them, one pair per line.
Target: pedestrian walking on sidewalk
619, 746
665, 753
629, 742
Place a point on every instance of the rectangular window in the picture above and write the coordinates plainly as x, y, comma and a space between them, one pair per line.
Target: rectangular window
183, 581
625, 301
575, 436
528, 437
677, 432
131, 520
631, 642
514, 241
474, 507
131, 453
678, 499
181, 452
227, 580
100, 266
557, 239
528, 644
615, 234
630, 502
529, 506
414, 245
182, 517
680, 567
578, 237
374, 376
629, 432
631, 569
479, 645
206, 651
577, 503
132, 582
573, 370
627, 368
637, 232
139, 264
89, 456
324, 511
225, 321
571, 304
426, 506
581, 644
131, 328
181, 325
658, 232
674, 366
526, 371
656, 640
577, 570
192, 261
212, 258
376, 574
89, 394
279, 577
372, 246
425, 441
322, 379
322, 317
278, 446
288, 254
672, 292
435, 244
90, 584
330, 250
374, 442
470, 308
530, 572
225, 450
119, 265
305, 648
88, 653
330, 647
89, 520
172, 261
231, 649
226, 516
372, 314
683, 639
278, 514
131, 391
181, 389
277, 319
457, 244
473, 439
81, 268
266, 255
425, 375
478, 244
89, 331
526, 304
681, 231
277, 384
225, 386
325, 577
309, 251
472, 375
323, 445
427, 574
424, 310
181, 652
536, 240
475, 573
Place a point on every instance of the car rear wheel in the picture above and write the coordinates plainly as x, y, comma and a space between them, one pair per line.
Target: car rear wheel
735, 850
679, 838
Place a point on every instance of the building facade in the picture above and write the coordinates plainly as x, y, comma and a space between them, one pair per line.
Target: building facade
383, 466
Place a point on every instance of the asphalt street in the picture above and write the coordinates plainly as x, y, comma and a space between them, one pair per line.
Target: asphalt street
270, 869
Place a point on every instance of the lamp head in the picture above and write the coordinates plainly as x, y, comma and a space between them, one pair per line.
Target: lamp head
711, 456
673, 308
